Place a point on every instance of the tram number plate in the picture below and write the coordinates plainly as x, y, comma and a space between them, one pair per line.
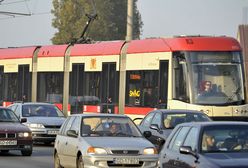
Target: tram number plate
53, 132
126, 161
8, 142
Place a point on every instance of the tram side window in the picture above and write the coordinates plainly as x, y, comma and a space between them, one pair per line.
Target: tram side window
142, 88
50, 87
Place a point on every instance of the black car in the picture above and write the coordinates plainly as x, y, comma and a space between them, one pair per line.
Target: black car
13, 134
161, 123
207, 145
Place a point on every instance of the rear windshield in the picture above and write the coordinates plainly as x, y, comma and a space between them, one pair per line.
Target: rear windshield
37, 110
173, 119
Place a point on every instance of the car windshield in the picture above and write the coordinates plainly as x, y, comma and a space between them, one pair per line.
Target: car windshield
225, 138
109, 126
41, 110
173, 119
7, 115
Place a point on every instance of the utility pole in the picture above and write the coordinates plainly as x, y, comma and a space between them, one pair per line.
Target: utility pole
130, 5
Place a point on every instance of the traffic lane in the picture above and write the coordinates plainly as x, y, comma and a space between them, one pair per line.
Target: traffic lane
42, 157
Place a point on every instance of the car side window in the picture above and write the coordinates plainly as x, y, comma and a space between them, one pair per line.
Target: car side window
191, 139
68, 125
147, 120
157, 120
179, 139
76, 124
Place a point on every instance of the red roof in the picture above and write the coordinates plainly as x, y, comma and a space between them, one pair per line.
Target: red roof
15, 53
184, 44
53, 51
203, 44
101, 48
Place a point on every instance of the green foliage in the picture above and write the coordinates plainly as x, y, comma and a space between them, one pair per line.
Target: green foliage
70, 20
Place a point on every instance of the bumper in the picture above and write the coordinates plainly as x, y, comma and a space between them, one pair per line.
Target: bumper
109, 161
44, 135
21, 145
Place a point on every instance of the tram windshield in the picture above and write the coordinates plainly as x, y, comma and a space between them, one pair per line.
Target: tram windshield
216, 78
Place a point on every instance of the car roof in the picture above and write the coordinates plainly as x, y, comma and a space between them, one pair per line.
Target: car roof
33, 103
178, 111
100, 115
213, 123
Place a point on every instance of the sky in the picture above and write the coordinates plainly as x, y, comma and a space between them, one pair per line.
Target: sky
161, 18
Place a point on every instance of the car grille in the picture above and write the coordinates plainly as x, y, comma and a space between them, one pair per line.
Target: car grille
52, 126
112, 164
125, 152
7, 135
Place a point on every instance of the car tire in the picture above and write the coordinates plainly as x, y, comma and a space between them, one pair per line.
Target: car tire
27, 152
80, 163
57, 161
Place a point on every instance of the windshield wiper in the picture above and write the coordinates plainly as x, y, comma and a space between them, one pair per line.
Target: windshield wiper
236, 93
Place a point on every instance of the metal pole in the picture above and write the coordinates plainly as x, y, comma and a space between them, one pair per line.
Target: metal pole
130, 5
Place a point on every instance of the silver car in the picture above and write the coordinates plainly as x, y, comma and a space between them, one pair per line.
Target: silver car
43, 119
101, 141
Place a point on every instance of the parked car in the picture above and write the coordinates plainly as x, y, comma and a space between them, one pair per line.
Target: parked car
161, 123
13, 134
43, 119
207, 145
102, 140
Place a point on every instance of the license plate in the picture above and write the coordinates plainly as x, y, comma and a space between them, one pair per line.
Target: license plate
53, 132
126, 161
8, 142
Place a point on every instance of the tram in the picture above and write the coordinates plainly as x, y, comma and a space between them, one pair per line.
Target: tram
130, 77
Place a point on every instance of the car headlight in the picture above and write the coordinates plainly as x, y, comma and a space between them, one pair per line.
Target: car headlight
33, 125
24, 134
150, 151
99, 151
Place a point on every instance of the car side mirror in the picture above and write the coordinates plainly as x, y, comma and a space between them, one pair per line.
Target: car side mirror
23, 120
154, 127
187, 150
72, 133
147, 134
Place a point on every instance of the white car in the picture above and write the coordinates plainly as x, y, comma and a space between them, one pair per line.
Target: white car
101, 141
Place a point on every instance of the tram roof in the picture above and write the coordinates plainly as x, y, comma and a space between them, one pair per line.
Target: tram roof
199, 43
53, 51
15, 53
99, 48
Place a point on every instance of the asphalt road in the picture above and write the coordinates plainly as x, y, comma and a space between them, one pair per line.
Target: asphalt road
41, 158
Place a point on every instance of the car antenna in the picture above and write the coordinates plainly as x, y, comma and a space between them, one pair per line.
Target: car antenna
91, 17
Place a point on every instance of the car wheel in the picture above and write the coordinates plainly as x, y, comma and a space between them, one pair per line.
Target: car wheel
4, 151
26, 152
80, 163
56, 161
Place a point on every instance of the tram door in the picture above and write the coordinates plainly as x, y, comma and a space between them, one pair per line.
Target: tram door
163, 84
76, 88
1, 85
109, 87
24, 83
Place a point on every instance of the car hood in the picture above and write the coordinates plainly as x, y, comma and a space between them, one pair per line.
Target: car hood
13, 127
229, 160
119, 142
46, 120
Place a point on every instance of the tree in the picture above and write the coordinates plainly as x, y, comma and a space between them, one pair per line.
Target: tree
70, 19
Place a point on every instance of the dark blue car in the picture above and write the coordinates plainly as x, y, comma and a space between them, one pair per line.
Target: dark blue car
207, 145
